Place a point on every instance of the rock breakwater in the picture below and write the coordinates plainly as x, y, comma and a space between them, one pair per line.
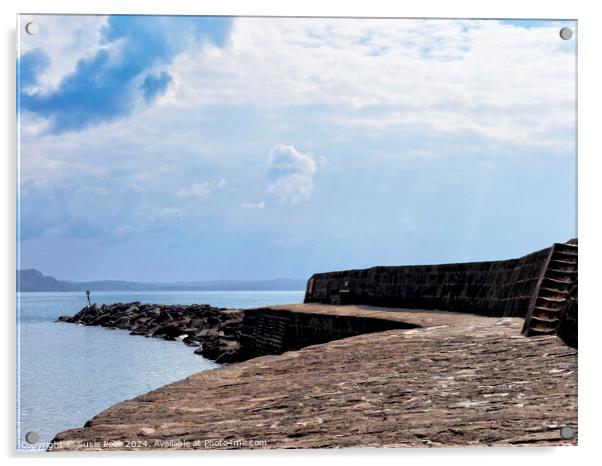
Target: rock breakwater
213, 331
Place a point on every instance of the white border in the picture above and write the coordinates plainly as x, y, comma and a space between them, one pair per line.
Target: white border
590, 77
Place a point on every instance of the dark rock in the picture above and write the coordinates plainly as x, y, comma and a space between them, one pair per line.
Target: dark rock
189, 341
227, 356
164, 317
217, 346
123, 323
104, 318
169, 332
139, 330
192, 324
206, 333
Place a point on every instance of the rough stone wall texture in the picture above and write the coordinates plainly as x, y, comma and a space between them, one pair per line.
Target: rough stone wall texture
567, 325
273, 331
497, 288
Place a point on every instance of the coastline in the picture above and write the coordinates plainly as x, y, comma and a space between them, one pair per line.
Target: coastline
341, 370
490, 387
85, 369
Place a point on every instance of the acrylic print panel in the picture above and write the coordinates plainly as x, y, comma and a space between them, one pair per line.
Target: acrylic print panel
384, 207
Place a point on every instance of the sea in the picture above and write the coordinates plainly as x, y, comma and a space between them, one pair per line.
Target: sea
68, 373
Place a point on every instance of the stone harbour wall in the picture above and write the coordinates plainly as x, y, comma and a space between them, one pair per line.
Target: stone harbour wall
230, 335
274, 331
471, 382
498, 288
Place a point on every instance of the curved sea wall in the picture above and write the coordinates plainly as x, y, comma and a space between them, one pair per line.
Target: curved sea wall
460, 380
540, 287
274, 331
232, 335
497, 288
373, 389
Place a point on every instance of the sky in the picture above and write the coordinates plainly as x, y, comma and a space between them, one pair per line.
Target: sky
196, 148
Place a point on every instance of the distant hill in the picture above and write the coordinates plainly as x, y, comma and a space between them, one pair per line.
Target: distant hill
34, 280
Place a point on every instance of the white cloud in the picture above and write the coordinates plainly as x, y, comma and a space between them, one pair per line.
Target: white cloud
65, 39
291, 174
501, 82
363, 77
201, 190
504, 83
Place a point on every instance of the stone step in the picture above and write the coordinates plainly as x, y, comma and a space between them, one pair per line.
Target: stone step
553, 292
550, 304
546, 312
563, 259
544, 309
568, 257
560, 271
539, 319
549, 299
563, 266
563, 284
540, 330
567, 277
559, 277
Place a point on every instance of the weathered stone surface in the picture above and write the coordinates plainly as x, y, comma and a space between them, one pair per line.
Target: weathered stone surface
461, 380
197, 325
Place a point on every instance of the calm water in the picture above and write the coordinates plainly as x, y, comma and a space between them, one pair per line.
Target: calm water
68, 373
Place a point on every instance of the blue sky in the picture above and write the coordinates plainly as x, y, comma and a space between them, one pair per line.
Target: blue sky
191, 148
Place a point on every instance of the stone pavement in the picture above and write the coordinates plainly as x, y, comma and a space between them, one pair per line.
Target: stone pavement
461, 380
